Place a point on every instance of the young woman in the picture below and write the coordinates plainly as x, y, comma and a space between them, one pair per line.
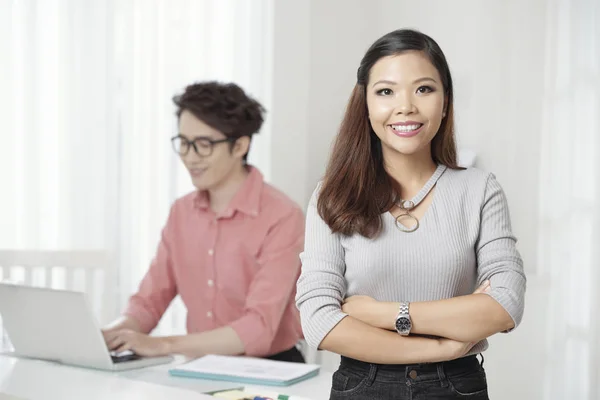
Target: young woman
398, 237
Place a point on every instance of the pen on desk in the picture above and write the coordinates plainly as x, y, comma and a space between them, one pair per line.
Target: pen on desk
212, 393
257, 398
279, 397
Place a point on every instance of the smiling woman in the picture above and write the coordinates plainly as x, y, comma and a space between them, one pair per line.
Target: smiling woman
409, 261
393, 104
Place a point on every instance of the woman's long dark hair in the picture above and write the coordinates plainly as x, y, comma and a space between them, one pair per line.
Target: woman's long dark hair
357, 189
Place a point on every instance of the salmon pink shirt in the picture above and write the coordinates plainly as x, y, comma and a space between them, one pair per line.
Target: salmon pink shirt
237, 268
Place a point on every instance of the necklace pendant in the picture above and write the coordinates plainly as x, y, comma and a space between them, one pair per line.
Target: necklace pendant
407, 204
407, 216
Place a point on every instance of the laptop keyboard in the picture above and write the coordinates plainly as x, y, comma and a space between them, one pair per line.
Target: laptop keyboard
124, 357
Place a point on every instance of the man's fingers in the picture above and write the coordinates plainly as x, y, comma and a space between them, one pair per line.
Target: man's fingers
123, 347
116, 342
112, 345
109, 336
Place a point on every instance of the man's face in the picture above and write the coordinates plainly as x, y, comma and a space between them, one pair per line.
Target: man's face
216, 158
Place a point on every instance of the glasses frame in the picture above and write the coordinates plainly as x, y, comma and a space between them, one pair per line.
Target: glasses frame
192, 143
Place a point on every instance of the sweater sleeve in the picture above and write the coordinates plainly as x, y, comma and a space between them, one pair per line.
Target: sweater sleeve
322, 285
497, 256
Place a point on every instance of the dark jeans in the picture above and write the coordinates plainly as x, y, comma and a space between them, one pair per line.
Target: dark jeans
458, 379
292, 355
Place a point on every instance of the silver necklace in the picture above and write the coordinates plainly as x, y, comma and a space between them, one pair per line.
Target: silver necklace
407, 205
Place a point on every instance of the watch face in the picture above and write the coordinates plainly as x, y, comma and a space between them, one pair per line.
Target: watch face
403, 324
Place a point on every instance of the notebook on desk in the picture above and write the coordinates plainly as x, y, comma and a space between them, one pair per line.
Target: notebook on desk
253, 394
256, 371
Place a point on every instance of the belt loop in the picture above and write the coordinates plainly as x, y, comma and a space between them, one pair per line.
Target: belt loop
442, 374
406, 378
372, 374
482, 360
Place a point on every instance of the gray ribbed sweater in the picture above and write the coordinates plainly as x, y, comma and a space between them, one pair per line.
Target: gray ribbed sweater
464, 238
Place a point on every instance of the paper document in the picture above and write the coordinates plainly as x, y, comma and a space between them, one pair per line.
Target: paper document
246, 369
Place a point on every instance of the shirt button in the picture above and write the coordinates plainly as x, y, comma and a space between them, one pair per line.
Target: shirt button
211, 252
209, 314
210, 283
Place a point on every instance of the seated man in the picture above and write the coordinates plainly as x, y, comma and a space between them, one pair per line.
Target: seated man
230, 249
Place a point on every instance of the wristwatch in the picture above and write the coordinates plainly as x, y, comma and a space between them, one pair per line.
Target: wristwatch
403, 322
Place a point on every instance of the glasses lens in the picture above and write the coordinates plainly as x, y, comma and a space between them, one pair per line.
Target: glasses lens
180, 145
204, 147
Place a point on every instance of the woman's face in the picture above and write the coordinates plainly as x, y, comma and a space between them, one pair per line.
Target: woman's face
406, 102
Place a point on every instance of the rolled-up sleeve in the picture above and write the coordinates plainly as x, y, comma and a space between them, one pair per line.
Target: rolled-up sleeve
273, 286
322, 286
498, 259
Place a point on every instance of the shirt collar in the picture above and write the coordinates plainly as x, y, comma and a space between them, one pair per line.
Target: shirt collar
246, 200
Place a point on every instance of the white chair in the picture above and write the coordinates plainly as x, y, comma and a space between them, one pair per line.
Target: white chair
89, 271
311, 355
327, 360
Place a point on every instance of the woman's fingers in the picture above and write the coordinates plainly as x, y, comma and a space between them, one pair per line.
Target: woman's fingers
483, 288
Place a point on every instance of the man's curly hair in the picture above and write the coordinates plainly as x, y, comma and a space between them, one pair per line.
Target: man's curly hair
223, 106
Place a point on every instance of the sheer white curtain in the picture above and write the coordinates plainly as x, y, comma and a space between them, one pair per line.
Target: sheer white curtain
569, 250
86, 115
160, 47
54, 99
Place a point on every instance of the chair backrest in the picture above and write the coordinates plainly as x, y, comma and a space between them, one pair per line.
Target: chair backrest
328, 361
89, 271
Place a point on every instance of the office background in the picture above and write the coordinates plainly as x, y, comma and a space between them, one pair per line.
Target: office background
86, 116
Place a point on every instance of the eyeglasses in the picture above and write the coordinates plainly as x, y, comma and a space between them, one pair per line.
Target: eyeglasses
202, 146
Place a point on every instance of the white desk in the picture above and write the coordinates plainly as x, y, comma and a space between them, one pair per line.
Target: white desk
37, 380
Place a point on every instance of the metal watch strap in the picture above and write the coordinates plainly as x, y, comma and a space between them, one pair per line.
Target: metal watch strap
403, 314
403, 309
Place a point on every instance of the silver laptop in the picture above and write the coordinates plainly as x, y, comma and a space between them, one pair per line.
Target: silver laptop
58, 325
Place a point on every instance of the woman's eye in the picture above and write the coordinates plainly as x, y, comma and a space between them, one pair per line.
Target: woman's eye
384, 92
424, 89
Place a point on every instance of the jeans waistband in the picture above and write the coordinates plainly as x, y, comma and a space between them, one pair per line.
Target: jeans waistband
413, 372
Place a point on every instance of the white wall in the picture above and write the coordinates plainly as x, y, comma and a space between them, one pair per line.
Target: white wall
317, 48
290, 97
341, 32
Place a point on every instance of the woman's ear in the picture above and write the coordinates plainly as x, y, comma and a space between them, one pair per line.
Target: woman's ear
445, 107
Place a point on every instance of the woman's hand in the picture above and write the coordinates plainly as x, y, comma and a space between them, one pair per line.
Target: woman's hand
382, 314
379, 314
357, 305
453, 349
484, 288
360, 307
